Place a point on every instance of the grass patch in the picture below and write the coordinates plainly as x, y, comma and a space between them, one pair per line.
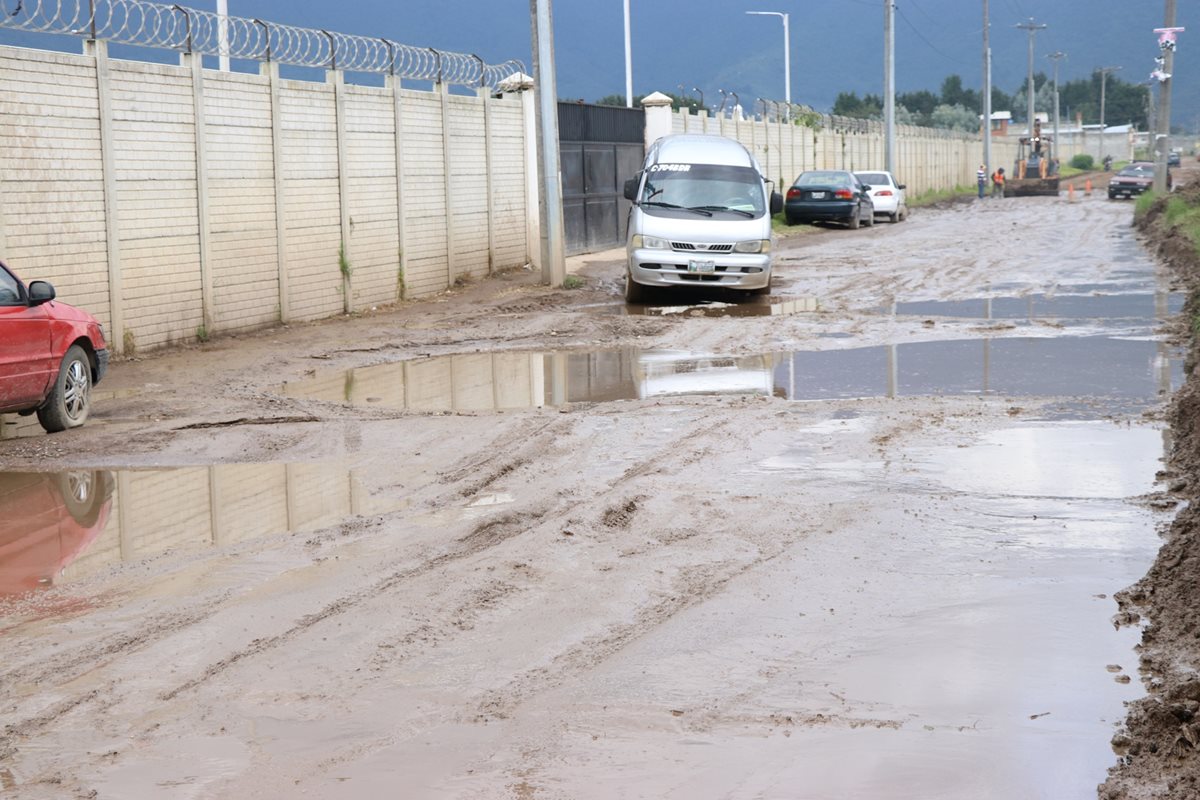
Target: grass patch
573, 282
1142, 205
1173, 212
934, 196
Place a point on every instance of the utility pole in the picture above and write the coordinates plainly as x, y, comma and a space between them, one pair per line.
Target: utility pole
1103, 88
628, 61
1056, 57
1033, 29
223, 35
987, 90
889, 85
1163, 128
550, 213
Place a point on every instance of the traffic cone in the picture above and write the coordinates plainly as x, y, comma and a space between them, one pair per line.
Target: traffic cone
1070, 193
1088, 187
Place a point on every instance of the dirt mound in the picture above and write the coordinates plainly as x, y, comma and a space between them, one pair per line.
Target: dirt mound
1159, 746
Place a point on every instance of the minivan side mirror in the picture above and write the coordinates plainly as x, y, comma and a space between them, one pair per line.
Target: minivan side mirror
40, 292
631, 187
776, 203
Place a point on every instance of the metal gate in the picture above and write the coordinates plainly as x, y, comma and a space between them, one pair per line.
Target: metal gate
600, 147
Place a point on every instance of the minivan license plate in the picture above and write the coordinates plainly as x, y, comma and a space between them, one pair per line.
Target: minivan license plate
701, 266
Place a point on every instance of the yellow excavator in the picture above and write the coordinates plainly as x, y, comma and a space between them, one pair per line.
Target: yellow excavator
1036, 170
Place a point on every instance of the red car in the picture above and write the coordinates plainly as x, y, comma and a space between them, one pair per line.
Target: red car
51, 354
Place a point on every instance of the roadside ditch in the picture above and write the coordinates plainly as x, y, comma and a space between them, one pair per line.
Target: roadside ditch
1159, 745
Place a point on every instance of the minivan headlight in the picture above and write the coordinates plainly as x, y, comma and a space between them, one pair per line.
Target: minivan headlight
753, 246
649, 242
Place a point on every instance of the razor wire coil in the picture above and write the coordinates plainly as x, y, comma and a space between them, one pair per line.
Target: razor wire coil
190, 30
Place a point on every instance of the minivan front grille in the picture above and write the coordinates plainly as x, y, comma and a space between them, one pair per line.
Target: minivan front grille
705, 248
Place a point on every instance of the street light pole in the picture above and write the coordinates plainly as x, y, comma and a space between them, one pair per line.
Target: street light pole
1103, 88
1056, 57
987, 90
628, 62
889, 85
1033, 29
787, 51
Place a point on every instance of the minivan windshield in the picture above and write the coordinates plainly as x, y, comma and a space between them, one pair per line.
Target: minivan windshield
703, 189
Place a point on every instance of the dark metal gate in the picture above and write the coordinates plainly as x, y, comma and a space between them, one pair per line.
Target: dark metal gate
600, 147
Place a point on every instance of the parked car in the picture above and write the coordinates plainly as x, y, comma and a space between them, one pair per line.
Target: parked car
829, 196
1134, 179
886, 194
51, 354
1174, 159
701, 216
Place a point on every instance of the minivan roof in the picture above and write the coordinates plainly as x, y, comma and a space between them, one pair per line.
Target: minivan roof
699, 148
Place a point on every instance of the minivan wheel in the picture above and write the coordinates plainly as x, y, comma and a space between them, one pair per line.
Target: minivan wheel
70, 399
635, 292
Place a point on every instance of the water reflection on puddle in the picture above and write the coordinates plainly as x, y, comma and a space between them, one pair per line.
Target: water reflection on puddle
973, 623
1118, 369
60, 526
1098, 302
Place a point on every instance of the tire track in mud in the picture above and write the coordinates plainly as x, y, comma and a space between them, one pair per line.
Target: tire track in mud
484, 536
147, 634
31, 725
700, 583
533, 445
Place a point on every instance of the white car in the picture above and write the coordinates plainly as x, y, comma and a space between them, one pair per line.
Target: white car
886, 194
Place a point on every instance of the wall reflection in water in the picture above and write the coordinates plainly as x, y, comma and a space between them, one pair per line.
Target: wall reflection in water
1127, 369
49, 533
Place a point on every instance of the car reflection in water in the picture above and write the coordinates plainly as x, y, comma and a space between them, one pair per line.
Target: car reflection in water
46, 520
664, 373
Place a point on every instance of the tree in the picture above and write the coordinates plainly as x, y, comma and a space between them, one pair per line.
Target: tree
677, 101
921, 104
959, 118
848, 104
1123, 102
953, 94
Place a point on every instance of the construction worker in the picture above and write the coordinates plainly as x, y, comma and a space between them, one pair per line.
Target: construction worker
998, 183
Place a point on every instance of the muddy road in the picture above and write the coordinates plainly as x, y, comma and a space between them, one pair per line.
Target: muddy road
860, 539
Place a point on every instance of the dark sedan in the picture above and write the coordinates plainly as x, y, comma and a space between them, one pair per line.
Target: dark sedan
1135, 179
829, 196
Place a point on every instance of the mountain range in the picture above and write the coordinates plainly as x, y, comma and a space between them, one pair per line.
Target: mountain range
703, 46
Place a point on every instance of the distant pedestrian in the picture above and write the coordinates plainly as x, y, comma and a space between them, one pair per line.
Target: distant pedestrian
981, 179
998, 183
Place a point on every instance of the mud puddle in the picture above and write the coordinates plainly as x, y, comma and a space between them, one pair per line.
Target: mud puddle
59, 527
969, 651
751, 307
1097, 302
1124, 370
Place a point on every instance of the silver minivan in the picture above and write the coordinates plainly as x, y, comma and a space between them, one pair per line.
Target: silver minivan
701, 216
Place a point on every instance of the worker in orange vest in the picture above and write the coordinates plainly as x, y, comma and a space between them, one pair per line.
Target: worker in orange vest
998, 183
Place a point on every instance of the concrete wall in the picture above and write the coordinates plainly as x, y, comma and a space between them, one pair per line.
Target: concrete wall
926, 158
175, 202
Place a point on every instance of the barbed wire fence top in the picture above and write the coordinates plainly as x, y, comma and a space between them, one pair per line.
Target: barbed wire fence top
189, 30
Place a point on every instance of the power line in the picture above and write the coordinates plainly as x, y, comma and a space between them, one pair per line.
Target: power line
921, 36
